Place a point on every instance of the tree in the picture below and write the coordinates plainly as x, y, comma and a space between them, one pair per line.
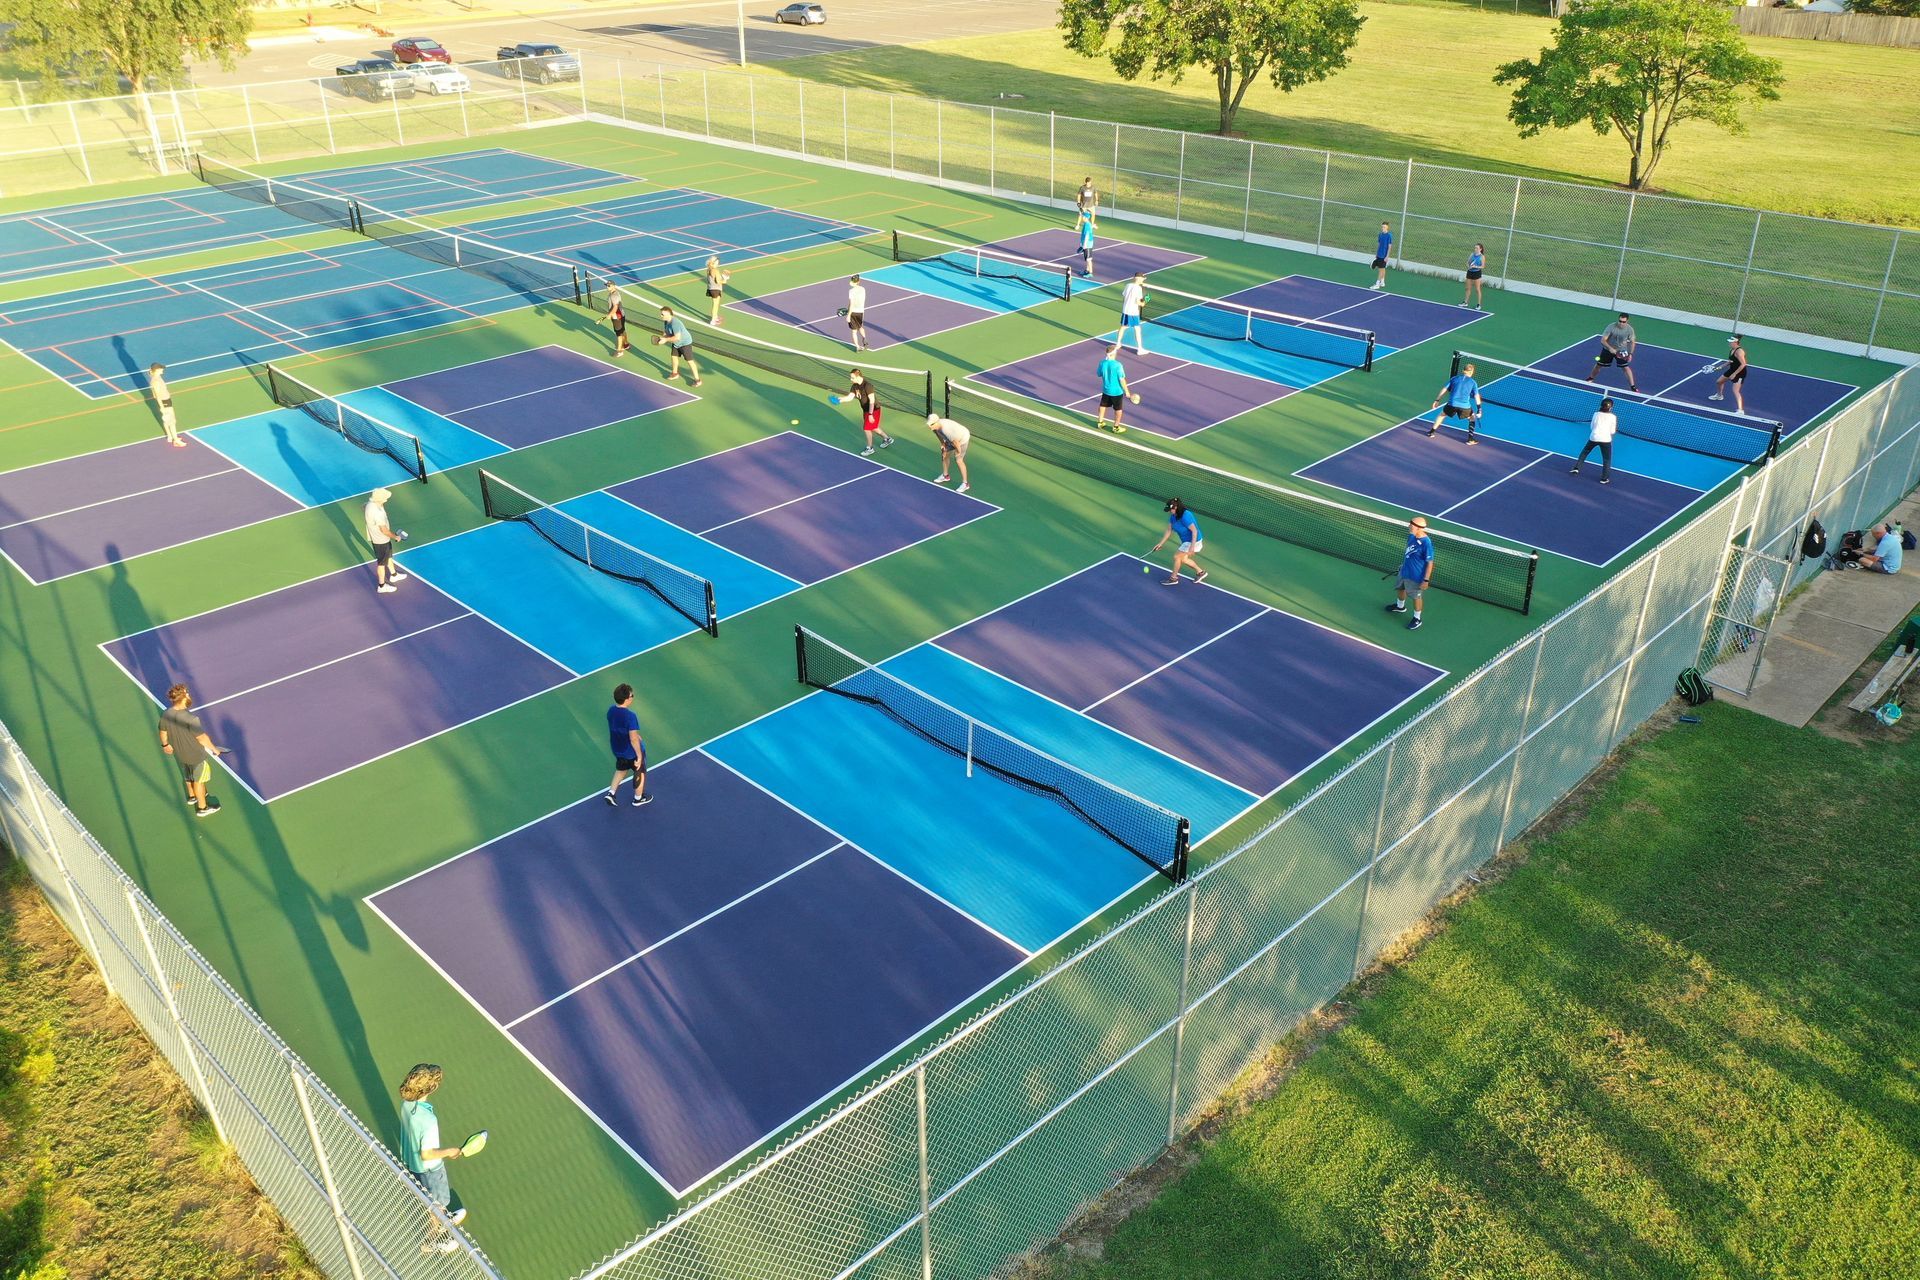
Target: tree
1892, 8
1640, 67
1294, 42
99, 43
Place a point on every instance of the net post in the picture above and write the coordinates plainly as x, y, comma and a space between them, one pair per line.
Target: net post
1526, 597
946, 395
419, 460
929, 391
969, 747
896, 244
800, 652
1372, 341
200, 163
1459, 358
1182, 834
486, 494
1066, 283
713, 614
1773, 440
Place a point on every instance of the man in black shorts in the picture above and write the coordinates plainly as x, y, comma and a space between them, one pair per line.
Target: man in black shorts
1733, 373
675, 336
856, 314
1617, 344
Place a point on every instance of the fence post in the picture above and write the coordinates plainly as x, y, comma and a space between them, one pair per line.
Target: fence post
1886, 282
1513, 221
1114, 186
800, 87
1326, 181
939, 139
164, 984
893, 139
30, 780
1406, 203
1051, 145
619, 86
253, 131
706, 106
1180, 1024
660, 79
1626, 236
1246, 212
1373, 858
1639, 638
993, 147
400, 130
326, 114
326, 1172
1180, 180
846, 127
926, 1173
79, 142
1753, 247
466, 125
1526, 716
585, 106
153, 135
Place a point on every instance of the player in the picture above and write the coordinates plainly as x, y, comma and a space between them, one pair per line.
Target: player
629, 748
856, 314
1460, 398
1382, 250
617, 317
1416, 572
1600, 434
953, 439
674, 334
1476, 268
1133, 300
183, 737
716, 286
381, 537
1733, 374
425, 1158
163, 403
1114, 392
1086, 240
1617, 345
867, 397
1182, 526
1088, 200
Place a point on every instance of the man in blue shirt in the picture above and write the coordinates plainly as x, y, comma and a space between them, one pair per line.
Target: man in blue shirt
1114, 392
1416, 571
1460, 398
1186, 530
1887, 552
1086, 240
423, 1155
673, 333
629, 751
1382, 249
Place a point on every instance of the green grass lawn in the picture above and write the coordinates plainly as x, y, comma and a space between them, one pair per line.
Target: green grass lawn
1678, 1039
1421, 85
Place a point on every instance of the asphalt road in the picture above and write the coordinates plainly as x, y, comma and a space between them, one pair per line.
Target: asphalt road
700, 33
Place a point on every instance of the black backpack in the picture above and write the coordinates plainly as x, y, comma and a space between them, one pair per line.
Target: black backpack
1693, 687
1814, 544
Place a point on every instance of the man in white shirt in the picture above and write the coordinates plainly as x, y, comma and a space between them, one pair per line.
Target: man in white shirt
381, 537
954, 440
856, 313
1600, 436
163, 403
1132, 299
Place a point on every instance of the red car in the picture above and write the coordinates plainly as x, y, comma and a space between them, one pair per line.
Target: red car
420, 49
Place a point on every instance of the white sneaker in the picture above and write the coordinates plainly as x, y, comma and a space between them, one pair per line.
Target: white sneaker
886, 442
386, 590
867, 452
943, 479
1379, 287
397, 576
1716, 396
963, 488
1139, 351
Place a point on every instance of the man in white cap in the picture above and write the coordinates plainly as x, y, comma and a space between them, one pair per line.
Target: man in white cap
382, 537
954, 440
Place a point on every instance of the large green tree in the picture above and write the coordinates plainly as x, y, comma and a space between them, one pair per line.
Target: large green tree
1291, 42
98, 44
1640, 68
1892, 8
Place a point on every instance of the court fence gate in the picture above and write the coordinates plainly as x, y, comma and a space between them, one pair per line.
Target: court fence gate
984, 1145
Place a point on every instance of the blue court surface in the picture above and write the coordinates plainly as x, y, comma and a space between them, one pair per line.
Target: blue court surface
110, 232
700, 973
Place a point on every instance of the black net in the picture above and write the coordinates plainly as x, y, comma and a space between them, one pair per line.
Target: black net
530, 276
687, 594
1678, 424
362, 430
1051, 278
1270, 330
290, 198
1155, 835
1465, 566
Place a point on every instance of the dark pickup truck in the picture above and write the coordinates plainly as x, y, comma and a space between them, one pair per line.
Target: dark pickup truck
538, 61
374, 79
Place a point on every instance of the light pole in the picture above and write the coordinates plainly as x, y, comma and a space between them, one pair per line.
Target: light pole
742, 6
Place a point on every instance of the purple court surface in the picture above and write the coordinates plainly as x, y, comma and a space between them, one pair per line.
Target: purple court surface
321, 677
79, 513
1397, 322
699, 973
1249, 694
800, 507
896, 315
1793, 399
1177, 397
1507, 489
531, 397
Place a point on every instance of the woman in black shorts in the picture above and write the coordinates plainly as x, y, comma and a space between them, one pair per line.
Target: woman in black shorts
716, 284
1733, 373
617, 317
1476, 267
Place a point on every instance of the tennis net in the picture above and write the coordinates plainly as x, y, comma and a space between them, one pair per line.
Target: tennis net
1678, 424
305, 203
1465, 566
685, 593
529, 275
977, 260
362, 430
1339, 344
1152, 833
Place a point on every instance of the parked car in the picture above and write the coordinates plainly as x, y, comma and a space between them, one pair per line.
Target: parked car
374, 79
807, 15
411, 49
537, 60
438, 77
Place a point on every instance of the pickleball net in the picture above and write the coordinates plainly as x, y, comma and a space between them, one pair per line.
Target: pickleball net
1154, 834
528, 275
980, 261
687, 594
309, 205
1677, 424
1277, 331
360, 429
1465, 566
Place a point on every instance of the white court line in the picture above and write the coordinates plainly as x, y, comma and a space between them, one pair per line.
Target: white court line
1178, 658
345, 657
754, 515
120, 497
1488, 488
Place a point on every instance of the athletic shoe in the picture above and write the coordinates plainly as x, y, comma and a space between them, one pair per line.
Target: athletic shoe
458, 1216
963, 488
1200, 576
1573, 471
1379, 286
1413, 624
640, 800
886, 442
866, 453
1716, 396
386, 589
1398, 606
1606, 479
1472, 440
443, 1244
213, 807
397, 576
1432, 432
1139, 351
943, 479
694, 383
612, 799
1170, 582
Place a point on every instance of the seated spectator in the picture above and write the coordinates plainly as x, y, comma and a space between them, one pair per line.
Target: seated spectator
1886, 552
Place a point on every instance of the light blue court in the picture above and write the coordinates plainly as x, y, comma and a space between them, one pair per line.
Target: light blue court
1240, 357
957, 285
1643, 457
1022, 865
312, 464
1080, 740
581, 618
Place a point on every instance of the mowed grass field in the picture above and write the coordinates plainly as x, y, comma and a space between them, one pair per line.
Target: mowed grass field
1677, 1039
1421, 85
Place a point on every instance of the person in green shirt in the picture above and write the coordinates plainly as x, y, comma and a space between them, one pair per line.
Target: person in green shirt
425, 1158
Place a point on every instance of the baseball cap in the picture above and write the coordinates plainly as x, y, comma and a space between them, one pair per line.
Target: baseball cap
381, 495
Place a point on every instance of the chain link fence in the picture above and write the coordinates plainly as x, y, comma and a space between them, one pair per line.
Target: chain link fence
985, 1144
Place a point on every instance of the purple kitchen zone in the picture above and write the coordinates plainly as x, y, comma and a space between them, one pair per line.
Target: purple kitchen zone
1177, 397
897, 314
699, 974
1792, 399
531, 397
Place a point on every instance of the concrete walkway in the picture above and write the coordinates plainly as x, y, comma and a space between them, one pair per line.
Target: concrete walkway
1823, 634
